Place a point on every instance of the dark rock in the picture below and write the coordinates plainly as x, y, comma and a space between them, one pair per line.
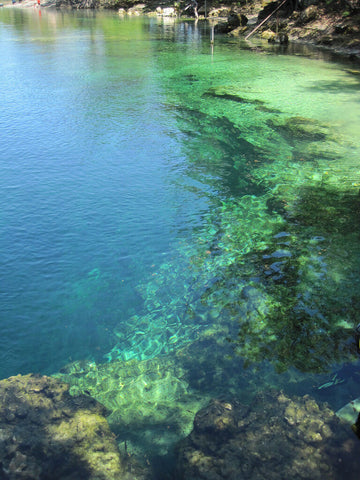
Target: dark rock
222, 27
276, 437
47, 434
301, 128
281, 38
229, 94
284, 11
219, 12
236, 20
325, 40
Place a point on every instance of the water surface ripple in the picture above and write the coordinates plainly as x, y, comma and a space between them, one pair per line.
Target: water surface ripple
158, 193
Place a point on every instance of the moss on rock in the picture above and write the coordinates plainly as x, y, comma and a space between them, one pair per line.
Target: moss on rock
46, 433
276, 437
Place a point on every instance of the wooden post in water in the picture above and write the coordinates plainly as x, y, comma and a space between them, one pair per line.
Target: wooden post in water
212, 35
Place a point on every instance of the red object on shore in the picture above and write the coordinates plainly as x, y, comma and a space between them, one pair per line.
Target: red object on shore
38, 2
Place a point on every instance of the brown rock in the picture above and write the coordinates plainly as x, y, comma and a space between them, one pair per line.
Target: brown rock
276, 437
47, 434
310, 13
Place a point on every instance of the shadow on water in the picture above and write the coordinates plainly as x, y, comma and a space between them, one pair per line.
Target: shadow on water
309, 286
327, 210
336, 87
297, 49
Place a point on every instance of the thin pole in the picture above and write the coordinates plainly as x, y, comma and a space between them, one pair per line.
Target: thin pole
267, 18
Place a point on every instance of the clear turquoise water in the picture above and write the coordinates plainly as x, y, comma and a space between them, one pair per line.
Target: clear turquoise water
158, 194
92, 178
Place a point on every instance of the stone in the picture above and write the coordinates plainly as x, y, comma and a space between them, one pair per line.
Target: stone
268, 35
310, 13
219, 12
236, 20
137, 10
282, 38
276, 437
237, 32
168, 12
46, 433
350, 411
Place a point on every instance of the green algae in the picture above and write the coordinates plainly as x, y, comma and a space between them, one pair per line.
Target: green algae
230, 94
267, 271
268, 282
281, 275
151, 403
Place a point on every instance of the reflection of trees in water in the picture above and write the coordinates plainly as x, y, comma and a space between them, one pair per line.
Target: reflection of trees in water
180, 32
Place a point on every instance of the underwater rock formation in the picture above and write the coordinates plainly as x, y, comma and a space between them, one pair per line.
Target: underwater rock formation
276, 437
47, 434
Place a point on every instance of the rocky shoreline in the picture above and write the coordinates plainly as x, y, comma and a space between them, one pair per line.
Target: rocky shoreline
48, 433
333, 26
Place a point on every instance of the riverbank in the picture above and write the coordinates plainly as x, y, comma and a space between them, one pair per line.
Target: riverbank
334, 26
331, 26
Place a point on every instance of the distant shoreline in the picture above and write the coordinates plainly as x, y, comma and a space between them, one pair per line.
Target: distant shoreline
319, 32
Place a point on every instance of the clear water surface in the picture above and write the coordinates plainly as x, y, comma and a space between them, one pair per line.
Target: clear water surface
163, 198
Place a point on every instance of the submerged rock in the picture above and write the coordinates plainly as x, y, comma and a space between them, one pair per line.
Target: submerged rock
299, 128
232, 94
145, 398
276, 437
47, 434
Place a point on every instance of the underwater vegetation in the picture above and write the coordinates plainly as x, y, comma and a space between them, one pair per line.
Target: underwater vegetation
272, 270
267, 284
270, 266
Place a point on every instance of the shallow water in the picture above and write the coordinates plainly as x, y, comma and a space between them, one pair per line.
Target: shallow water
176, 214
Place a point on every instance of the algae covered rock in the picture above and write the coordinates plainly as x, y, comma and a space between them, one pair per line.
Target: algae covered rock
47, 434
276, 437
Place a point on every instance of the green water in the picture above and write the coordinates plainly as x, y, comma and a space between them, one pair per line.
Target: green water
180, 220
